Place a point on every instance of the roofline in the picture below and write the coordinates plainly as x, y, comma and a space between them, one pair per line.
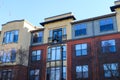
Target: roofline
94, 18
41, 29
114, 7
59, 15
43, 23
17, 21
13, 21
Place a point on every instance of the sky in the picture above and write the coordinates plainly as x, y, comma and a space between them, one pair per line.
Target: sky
34, 11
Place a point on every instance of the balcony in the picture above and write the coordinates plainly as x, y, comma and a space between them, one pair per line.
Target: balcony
37, 40
57, 38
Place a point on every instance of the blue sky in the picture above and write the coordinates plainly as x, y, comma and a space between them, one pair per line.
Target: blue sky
35, 11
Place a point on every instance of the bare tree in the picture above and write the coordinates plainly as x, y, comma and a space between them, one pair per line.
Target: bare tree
111, 70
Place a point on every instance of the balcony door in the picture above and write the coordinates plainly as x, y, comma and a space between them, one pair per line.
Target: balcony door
57, 35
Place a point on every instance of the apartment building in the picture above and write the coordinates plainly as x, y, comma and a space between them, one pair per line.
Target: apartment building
62, 49
14, 49
66, 49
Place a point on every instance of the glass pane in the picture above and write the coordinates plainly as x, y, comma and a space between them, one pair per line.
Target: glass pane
33, 53
64, 31
40, 34
36, 72
85, 68
50, 33
13, 55
52, 75
107, 74
112, 42
7, 37
84, 52
39, 52
84, 46
85, 74
36, 77
58, 53
77, 47
106, 21
11, 36
38, 57
64, 48
57, 74
114, 66
32, 72
78, 69
78, 52
53, 54
112, 49
15, 36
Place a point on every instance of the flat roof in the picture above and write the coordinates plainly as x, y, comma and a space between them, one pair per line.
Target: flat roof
94, 18
58, 18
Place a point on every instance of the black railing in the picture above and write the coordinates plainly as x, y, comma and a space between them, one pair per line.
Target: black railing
57, 38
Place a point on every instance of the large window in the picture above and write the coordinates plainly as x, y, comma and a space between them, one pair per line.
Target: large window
8, 56
34, 74
111, 70
81, 49
81, 71
55, 53
106, 24
55, 73
6, 75
10, 36
57, 34
108, 46
80, 29
36, 55
38, 37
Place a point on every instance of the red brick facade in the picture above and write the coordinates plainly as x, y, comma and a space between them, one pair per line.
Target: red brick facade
18, 72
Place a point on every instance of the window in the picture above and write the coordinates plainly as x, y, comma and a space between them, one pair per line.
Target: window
53, 73
36, 55
64, 73
6, 75
55, 53
57, 34
106, 24
10, 36
8, 56
81, 49
80, 29
108, 46
34, 74
38, 37
111, 70
82, 71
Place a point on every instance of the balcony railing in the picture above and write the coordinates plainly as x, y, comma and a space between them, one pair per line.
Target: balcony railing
37, 40
58, 38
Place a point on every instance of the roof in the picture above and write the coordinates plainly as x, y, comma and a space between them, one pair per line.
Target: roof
17, 21
114, 7
58, 18
94, 18
36, 30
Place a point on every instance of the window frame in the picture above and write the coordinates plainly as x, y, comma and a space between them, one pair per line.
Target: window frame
9, 40
34, 75
108, 73
80, 28
38, 38
108, 45
81, 49
35, 55
103, 23
82, 72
